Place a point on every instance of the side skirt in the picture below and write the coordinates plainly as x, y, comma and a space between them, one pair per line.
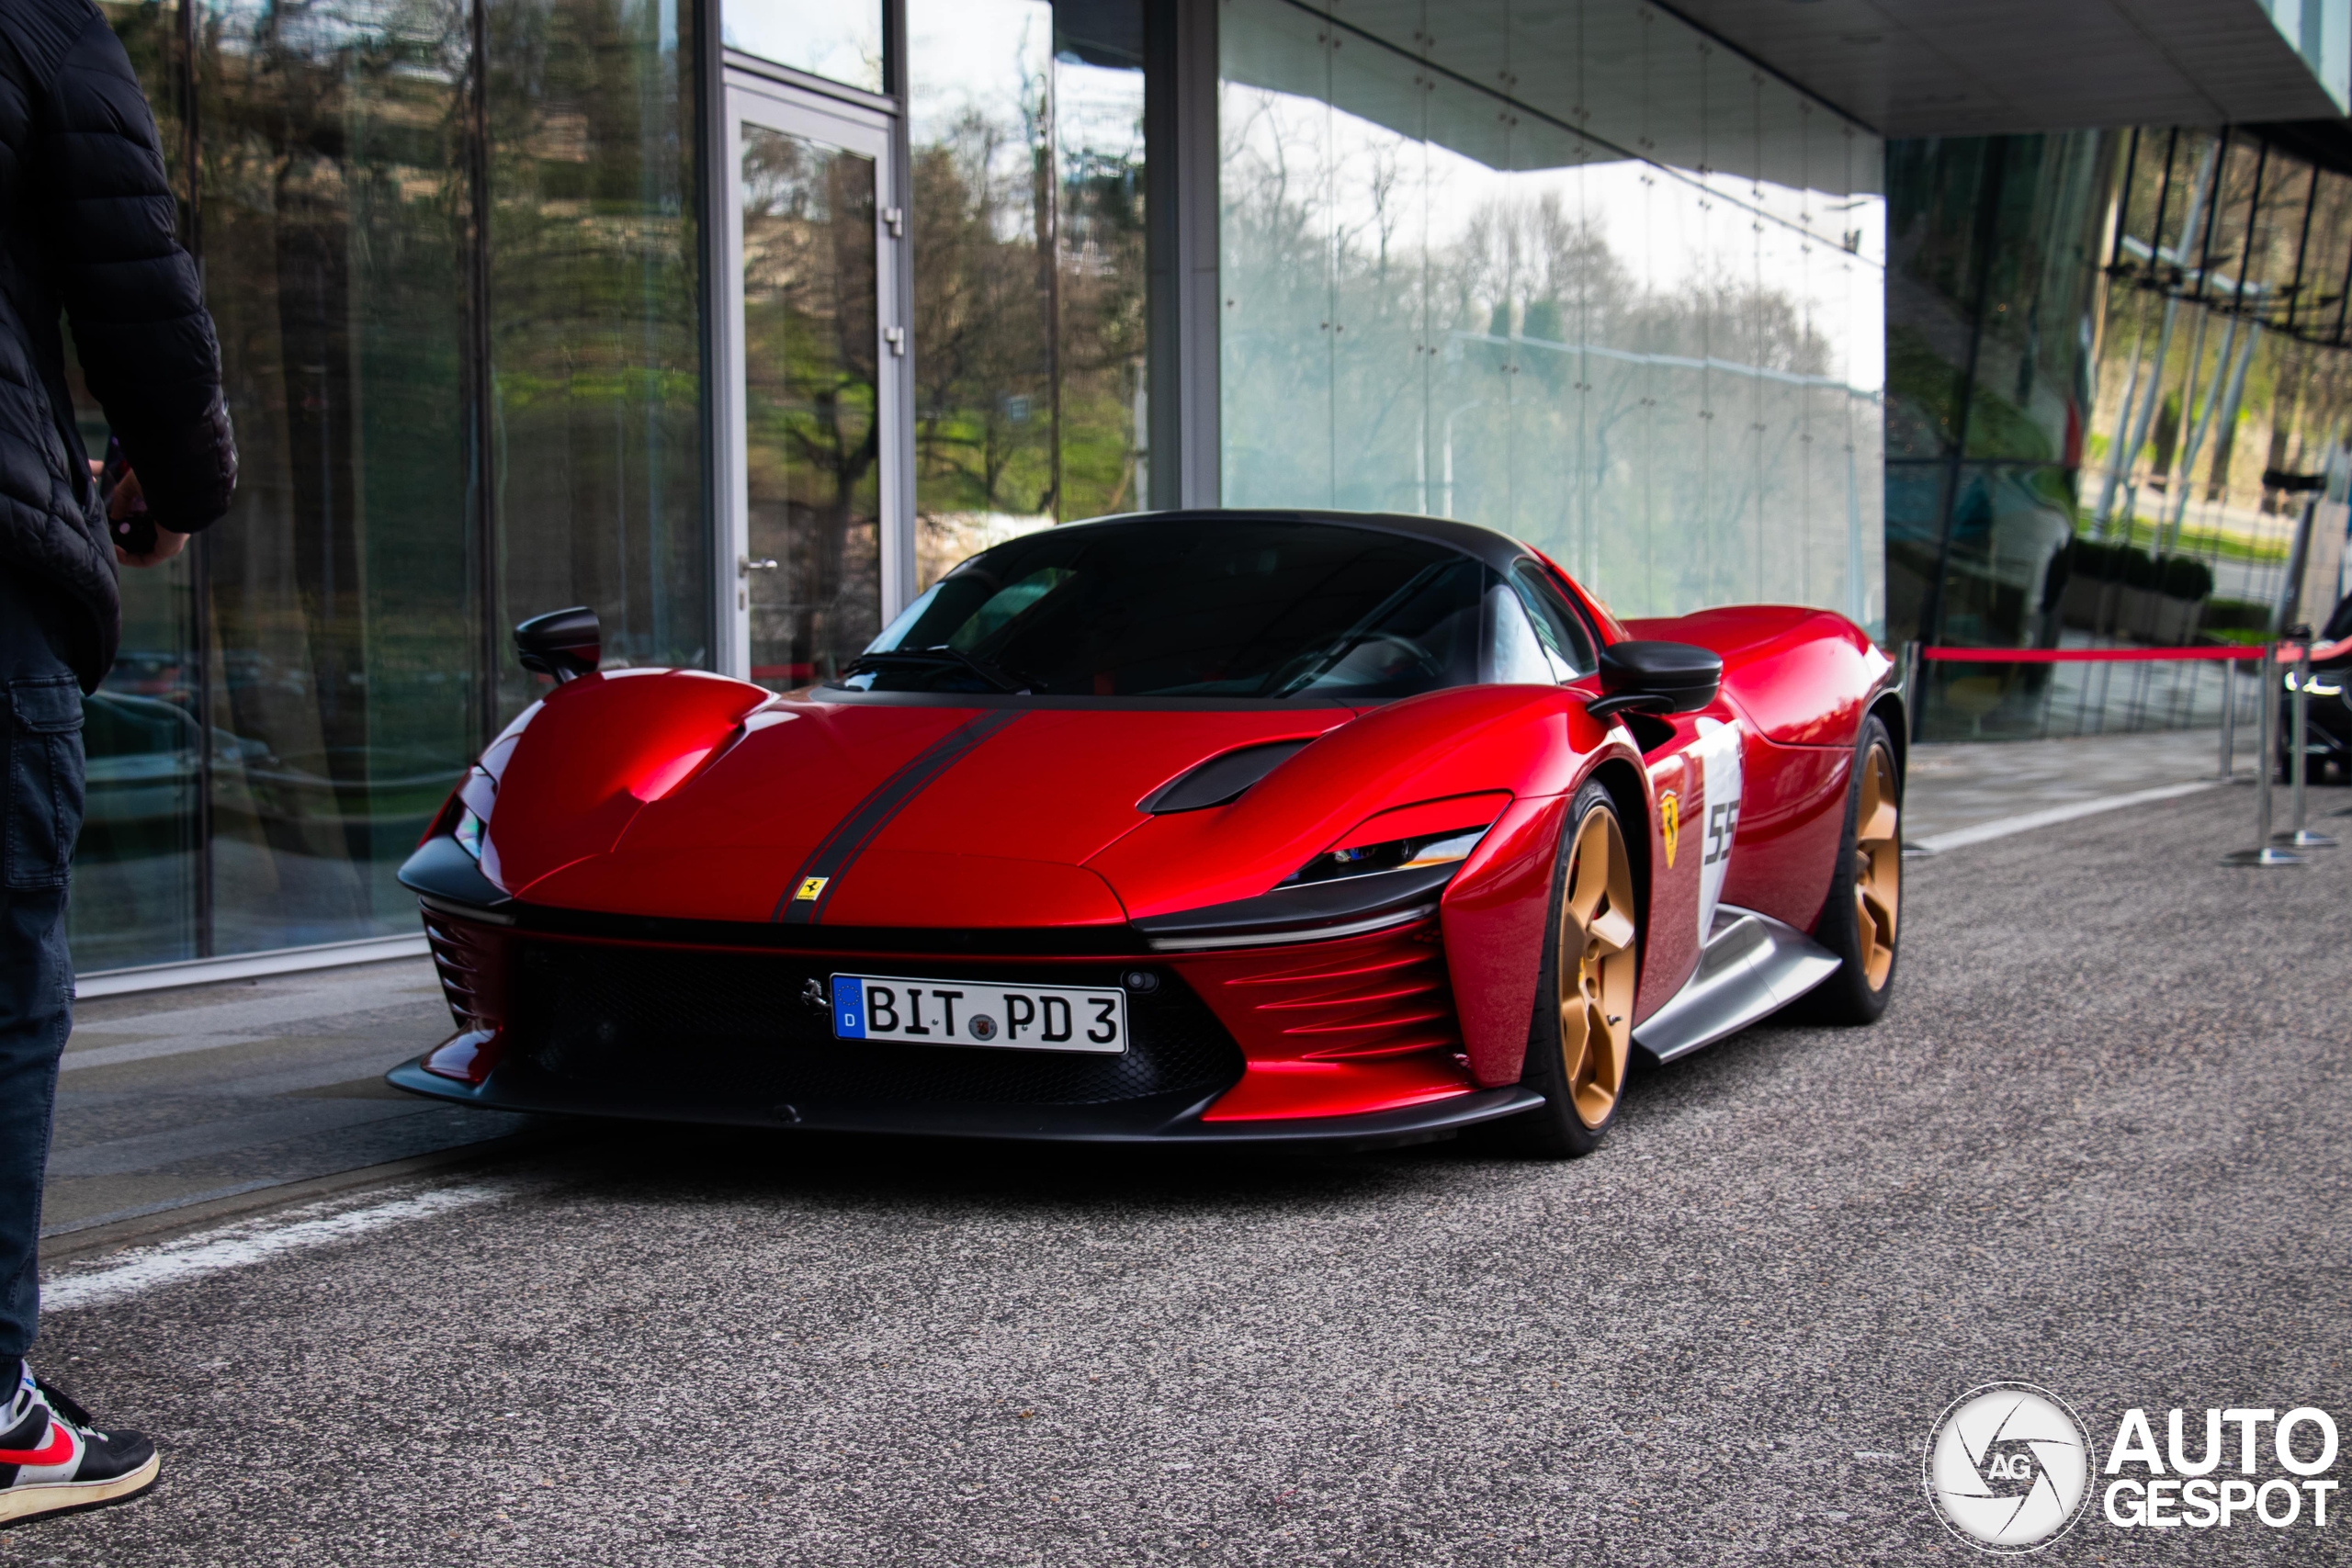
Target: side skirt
1752, 966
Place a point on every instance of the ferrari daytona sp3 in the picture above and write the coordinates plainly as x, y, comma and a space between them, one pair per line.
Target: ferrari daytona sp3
1195, 825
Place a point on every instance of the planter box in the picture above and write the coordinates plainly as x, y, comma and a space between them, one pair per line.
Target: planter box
2089, 603
2154, 617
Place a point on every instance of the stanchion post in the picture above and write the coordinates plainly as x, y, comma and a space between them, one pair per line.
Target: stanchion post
2264, 853
2300, 835
1911, 699
2229, 720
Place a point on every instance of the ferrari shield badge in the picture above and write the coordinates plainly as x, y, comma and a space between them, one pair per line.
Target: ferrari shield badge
1669, 821
813, 887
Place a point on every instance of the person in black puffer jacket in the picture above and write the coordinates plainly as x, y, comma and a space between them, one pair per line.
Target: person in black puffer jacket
86, 231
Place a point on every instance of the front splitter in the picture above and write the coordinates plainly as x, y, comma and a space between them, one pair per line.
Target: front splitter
1132, 1121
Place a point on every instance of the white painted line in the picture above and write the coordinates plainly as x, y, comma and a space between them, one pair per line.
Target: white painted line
234, 1247
1984, 832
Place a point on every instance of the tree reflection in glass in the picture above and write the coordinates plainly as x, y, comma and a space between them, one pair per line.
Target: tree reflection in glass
811, 405
1027, 204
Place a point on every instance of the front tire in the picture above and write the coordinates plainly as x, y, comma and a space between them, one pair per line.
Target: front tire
1581, 1039
1859, 923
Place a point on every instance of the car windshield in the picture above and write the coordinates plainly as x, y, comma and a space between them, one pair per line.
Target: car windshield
1230, 607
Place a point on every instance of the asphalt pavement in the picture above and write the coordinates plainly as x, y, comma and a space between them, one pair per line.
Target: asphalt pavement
2098, 1142
1950, 786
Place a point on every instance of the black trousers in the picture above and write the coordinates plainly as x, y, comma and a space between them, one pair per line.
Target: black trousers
41, 719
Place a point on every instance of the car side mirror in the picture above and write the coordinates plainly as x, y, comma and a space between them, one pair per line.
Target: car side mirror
566, 644
1657, 677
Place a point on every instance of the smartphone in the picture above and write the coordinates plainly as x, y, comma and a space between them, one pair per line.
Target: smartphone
134, 532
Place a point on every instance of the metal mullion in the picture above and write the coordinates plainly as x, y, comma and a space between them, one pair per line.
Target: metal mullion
481, 418
2302, 248
2213, 213
1052, 263
2253, 218
899, 584
2343, 295
199, 549
713, 181
2164, 203
731, 533
2123, 202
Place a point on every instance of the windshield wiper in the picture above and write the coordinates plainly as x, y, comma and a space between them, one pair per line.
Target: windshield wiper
935, 658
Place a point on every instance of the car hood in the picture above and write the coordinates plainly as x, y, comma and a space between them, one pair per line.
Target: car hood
911, 815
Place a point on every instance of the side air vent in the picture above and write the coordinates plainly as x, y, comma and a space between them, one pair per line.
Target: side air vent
1220, 780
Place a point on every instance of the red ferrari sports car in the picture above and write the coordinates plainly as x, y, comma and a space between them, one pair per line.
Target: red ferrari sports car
1217, 825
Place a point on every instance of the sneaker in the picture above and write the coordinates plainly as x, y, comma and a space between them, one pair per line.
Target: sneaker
53, 1458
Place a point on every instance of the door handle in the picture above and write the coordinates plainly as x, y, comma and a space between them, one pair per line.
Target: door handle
745, 565
897, 338
896, 217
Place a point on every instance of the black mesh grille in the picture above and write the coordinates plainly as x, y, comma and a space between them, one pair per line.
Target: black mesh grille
720, 1028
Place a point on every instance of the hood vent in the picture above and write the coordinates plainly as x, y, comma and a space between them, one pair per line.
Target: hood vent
1221, 780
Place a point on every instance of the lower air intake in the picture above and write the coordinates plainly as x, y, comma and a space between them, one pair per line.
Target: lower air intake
717, 1030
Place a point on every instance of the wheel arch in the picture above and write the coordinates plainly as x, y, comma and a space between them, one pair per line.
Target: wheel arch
1888, 710
1626, 792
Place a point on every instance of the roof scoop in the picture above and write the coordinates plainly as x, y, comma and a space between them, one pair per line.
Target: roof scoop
1221, 780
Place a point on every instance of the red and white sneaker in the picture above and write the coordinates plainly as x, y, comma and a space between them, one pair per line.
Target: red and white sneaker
53, 1458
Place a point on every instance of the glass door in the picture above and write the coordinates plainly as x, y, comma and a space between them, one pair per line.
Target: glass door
815, 353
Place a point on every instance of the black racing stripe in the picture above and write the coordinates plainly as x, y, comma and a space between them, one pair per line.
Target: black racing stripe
839, 847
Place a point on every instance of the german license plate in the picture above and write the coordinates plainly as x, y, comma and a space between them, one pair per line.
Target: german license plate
968, 1012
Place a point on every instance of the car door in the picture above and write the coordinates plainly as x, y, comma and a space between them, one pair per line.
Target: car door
1693, 763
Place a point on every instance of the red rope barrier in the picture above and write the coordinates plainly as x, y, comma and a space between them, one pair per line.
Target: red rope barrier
2288, 654
2079, 655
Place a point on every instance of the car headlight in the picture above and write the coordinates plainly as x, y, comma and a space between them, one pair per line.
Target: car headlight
469, 831
1395, 854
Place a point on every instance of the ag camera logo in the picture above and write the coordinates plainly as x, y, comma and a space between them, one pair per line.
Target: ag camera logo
2008, 1467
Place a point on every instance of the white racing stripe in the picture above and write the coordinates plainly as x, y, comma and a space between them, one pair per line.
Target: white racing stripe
251, 1241
1983, 832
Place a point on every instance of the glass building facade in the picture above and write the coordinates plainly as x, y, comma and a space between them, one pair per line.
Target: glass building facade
741, 320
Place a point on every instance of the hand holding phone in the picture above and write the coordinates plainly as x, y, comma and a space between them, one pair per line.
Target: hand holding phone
128, 523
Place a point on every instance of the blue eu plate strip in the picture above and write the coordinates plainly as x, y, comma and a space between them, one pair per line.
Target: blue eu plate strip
849, 1007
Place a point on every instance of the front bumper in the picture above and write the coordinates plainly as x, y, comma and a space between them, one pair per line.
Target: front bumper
591, 1017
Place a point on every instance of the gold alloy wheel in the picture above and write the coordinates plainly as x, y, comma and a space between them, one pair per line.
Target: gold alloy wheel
1878, 866
1597, 968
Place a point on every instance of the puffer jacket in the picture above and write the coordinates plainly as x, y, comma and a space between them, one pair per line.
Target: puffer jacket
86, 222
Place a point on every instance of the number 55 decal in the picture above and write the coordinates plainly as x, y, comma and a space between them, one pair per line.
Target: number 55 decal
1722, 820
1717, 754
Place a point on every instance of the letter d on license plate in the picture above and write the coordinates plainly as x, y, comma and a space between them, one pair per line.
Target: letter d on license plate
969, 1012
